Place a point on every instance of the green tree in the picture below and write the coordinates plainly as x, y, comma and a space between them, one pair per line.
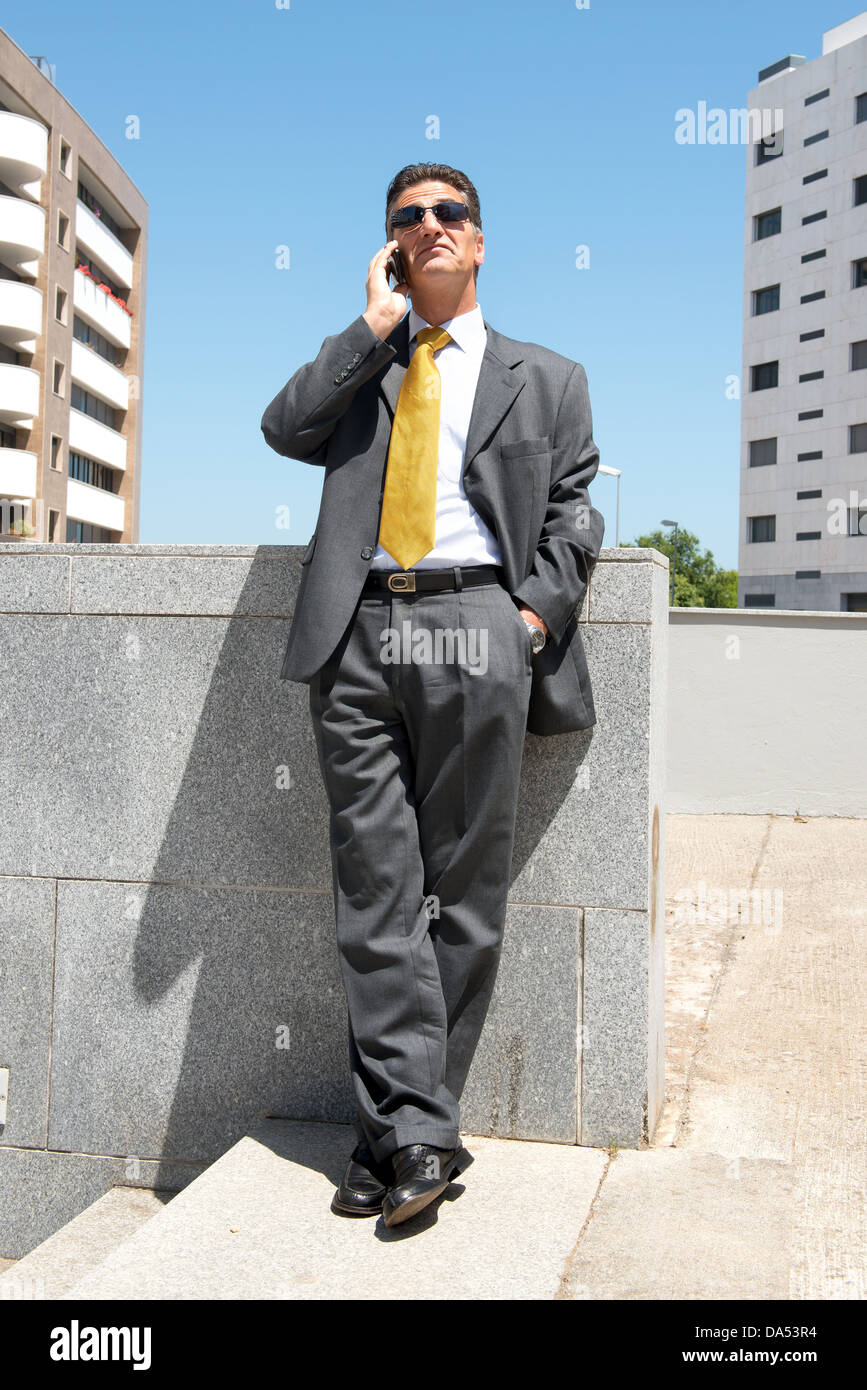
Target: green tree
698, 580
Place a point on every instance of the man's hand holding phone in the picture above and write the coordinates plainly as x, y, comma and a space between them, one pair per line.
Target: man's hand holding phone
385, 306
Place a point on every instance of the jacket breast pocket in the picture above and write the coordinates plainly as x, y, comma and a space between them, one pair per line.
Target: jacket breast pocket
520, 448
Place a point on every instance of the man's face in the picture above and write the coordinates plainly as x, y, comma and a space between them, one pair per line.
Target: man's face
433, 251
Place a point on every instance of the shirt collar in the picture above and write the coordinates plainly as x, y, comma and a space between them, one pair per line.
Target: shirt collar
467, 330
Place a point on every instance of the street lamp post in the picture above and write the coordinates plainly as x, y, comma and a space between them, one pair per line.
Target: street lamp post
673, 558
615, 473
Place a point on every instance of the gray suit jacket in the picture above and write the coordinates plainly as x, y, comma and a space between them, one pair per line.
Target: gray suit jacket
529, 458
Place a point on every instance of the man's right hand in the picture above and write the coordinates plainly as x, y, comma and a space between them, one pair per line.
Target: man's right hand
385, 306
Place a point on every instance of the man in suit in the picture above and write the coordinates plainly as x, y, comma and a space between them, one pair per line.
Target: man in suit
435, 624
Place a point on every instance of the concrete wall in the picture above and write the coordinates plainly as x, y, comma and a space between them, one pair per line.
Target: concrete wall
766, 712
169, 972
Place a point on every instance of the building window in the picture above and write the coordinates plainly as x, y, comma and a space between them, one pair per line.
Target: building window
60, 305
16, 518
858, 355
86, 333
808, 574
815, 333
808, 535
857, 439
814, 139
814, 217
765, 375
857, 521
63, 230
812, 178
813, 256
810, 414
83, 533
769, 147
56, 445
53, 524
87, 470
811, 376
859, 274
808, 494
767, 224
762, 452
59, 375
65, 159
860, 185
810, 457
92, 405
759, 601
811, 298
98, 210
861, 108
7, 437
766, 300
761, 528
88, 263
853, 603
817, 96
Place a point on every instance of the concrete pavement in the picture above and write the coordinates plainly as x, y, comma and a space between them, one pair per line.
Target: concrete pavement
754, 1185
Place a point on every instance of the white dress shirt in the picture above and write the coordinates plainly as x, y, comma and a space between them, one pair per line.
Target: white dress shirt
461, 537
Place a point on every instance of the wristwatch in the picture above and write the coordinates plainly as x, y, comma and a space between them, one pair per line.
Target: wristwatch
537, 637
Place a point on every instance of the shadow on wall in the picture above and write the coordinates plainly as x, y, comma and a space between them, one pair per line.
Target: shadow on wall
171, 786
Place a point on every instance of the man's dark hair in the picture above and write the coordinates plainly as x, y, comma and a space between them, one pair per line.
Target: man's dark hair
419, 173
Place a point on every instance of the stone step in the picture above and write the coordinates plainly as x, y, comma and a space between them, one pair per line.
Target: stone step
257, 1224
58, 1263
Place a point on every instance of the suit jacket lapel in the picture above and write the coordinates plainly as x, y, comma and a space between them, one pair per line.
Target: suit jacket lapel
501, 378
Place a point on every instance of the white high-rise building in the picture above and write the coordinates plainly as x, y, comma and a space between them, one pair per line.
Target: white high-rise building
73, 244
803, 497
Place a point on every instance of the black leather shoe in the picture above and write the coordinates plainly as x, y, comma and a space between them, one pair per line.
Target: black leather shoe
421, 1173
364, 1184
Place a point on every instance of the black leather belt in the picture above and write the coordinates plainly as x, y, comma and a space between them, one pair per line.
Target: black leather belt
416, 581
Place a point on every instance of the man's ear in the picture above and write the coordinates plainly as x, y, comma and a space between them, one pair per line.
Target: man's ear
480, 246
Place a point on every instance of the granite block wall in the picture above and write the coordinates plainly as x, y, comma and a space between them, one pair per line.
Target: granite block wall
168, 970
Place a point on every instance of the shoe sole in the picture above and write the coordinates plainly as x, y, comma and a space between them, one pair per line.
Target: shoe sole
394, 1215
342, 1210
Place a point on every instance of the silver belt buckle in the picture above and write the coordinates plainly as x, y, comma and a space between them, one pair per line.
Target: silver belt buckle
402, 582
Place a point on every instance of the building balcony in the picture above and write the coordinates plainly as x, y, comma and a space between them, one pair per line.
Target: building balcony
92, 372
17, 473
94, 504
99, 309
19, 395
23, 151
22, 234
89, 436
93, 236
20, 315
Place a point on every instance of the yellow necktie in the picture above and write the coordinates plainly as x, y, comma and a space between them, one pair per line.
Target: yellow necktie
407, 526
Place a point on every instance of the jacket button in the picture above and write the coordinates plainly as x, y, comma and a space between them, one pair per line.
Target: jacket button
367, 552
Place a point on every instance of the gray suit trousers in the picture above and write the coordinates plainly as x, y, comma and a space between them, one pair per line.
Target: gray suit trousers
420, 751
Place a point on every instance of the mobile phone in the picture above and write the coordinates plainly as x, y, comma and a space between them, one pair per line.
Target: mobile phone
394, 266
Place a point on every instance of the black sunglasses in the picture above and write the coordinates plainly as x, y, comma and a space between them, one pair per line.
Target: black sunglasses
413, 216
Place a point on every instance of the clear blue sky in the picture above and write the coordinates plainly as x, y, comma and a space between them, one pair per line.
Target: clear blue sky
263, 126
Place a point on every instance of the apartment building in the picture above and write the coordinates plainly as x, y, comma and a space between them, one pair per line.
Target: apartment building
73, 240
803, 495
